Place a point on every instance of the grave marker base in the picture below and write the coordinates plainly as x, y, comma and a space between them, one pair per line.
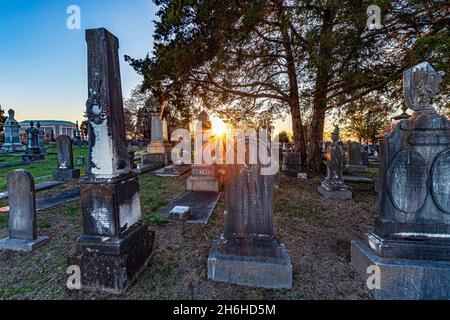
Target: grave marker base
112, 264
65, 174
403, 279
264, 266
22, 245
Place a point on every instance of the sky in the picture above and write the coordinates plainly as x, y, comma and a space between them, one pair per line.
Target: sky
43, 64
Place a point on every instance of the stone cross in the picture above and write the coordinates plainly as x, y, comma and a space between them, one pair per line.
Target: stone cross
23, 235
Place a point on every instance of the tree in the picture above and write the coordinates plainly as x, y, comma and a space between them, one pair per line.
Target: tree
138, 113
84, 128
284, 137
247, 59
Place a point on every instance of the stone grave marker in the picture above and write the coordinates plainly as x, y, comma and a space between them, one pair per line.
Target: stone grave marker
333, 187
12, 136
65, 170
411, 240
23, 235
116, 245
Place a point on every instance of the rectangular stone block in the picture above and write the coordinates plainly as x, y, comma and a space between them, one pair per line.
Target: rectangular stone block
112, 265
180, 213
338, 194
65, 174
402, 279
205, 184
22, 245
272, 272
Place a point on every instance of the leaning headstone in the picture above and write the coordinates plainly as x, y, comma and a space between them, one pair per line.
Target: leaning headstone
116, 245
333, 187
248, 253
34, 152
65, 170
410, 244
23, 234
12, 136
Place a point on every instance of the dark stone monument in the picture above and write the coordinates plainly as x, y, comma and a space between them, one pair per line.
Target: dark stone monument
411, 240
292, 163
117, 245
41, 138
355, 158
34, 152
333, 187
65, 170
12, 136
23, 234
248, 253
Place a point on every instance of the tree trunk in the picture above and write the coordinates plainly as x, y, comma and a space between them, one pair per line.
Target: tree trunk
323, 66
294, 98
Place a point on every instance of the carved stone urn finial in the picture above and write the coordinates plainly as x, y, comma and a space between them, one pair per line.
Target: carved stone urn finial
420, 85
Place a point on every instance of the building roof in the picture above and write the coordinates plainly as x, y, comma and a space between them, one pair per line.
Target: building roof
48, 122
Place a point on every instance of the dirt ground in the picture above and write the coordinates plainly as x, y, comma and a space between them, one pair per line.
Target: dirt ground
316, 232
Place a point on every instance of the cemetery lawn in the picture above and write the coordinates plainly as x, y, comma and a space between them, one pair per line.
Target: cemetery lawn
41, 171
317, 233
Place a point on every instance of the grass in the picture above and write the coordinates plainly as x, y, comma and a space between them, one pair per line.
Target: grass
42, 170
316, 232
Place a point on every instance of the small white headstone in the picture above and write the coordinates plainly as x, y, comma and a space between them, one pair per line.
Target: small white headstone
302, 175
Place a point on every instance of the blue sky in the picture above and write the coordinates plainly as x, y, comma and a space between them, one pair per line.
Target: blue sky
43, 63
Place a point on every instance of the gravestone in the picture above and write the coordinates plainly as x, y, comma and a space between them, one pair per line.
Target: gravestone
205, 176
159, 148
23, 234
411, 240
333, 187
65, 170
41, 138
12, 135
355, 158
34, 152
292, 163
116, 245
248, 253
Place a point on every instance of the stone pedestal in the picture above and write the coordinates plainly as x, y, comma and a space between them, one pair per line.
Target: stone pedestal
411, 240
334, 194
116, 244
204, 178
248, 253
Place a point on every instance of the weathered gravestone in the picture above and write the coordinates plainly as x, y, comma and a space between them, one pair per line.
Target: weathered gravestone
23, 234
12, 135
34, 152
65, 170
159, 148
333, 187
411, 240
292, 163
205, 176
248, 253
355, 158
117, 245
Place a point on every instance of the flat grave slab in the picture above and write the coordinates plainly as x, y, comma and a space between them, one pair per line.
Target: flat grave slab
201, 204
357, 179
173, 171
38, 187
